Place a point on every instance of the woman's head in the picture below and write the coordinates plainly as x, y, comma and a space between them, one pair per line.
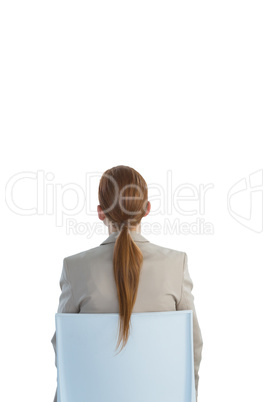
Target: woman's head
123, 198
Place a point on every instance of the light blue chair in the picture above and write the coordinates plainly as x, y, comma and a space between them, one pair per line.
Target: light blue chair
156, 365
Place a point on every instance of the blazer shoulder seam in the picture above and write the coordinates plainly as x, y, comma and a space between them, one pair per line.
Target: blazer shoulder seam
67, 276
182, 281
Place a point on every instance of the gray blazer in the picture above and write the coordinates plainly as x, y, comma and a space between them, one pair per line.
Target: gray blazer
87, 285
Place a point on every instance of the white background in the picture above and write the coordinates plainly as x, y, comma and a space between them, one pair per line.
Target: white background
159, 86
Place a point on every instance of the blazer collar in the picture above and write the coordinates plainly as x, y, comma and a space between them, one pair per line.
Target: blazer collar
137, 237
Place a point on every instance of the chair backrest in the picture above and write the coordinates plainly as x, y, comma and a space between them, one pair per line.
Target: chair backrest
156, 365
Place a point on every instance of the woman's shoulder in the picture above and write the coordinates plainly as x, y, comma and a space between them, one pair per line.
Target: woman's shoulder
82, 255
166, 250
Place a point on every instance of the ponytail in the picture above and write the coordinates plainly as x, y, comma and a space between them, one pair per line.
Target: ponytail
123, 197
127, 262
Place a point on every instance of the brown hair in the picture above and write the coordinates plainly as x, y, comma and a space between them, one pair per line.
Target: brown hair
123, 197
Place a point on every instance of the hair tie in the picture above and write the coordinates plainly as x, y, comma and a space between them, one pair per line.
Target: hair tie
124, 224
